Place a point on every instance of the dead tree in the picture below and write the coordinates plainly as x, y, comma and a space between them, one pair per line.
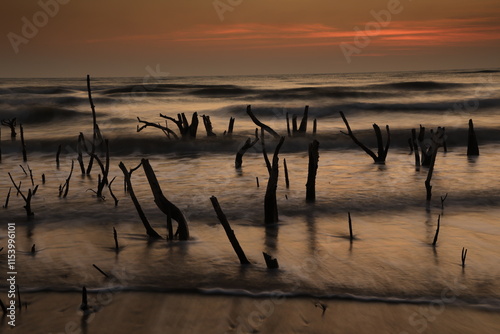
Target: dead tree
23, 144
127, 176
63, 189
414, 147
27, 199
260, 124
382, 151
270, 202
472, 146
288, 125
230, 128
229, 232
187, 131
437, 141
79, 147
166, 130
58, 153
238, 161
303, 123
102, 181
271, 262
425, 147
96, 136
11, 123
287, 180
168, 208
312, 170
208, 126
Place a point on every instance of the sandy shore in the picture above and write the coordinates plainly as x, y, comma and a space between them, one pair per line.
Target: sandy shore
140, 312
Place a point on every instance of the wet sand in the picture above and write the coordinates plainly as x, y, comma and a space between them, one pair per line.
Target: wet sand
144, 312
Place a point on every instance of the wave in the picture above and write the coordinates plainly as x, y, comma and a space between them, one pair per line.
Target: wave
422, 85
40, 114
487, 304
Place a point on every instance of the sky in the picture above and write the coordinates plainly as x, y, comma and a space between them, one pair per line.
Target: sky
72, 38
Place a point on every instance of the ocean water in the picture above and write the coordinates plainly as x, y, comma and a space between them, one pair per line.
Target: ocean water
391, 258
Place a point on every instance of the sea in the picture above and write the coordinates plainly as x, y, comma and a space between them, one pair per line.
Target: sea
391, 257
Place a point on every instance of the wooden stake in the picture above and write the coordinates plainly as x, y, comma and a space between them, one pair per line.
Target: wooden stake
271, 262
287, 181
23, 144
57, 155
33, 249
7, 199
270, 202
312, 171
102, 272
116, 239
238, 161
464, 256
437, 232
257, 179
303, 122
351, 236
229, 232
472, 146
84, 305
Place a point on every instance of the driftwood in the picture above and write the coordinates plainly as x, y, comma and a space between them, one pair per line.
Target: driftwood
437, 141
351, 236
23, 144
187, 131
271, 262
230, 128
164, 204
208, 126
260, 124
472, 146
464, 256
63, 189
111, 191
7, 199
238, 161
382, 151
96, 136
434, 242
414, 147
303, 123
115, 236
270, 202
287, 180
229, 232
312, 171
11, 123
27, 199
127, 176
84, 306
58, 153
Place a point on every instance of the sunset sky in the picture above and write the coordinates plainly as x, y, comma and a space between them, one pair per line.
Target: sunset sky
122, 37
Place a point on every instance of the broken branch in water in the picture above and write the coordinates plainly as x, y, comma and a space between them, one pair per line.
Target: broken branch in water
11, 123
128, 175
472, 146
260, 124
382, 151
65, 187
7, 199
23, 144
312, 171
167, 207
238, 161
437, 232
271, 262
437, 141
27, 199
270, 202
229, 232
111, 191
116, 239
102, 272
351, 236
464, 256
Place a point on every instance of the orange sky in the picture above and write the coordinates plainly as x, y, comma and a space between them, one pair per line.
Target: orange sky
122, 38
